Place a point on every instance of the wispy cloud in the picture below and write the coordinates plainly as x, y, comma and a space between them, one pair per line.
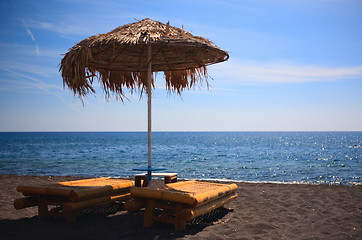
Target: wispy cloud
77, 25
19, 67
62, 28
23, 83
76, 22
282, 72
16, 51
32, 38
30, 34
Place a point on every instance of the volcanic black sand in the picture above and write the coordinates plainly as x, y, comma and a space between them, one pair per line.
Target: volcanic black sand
261, 211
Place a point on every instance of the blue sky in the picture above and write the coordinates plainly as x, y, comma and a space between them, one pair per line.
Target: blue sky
294, 66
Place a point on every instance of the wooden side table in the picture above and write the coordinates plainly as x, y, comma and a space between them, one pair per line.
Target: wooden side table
169, 178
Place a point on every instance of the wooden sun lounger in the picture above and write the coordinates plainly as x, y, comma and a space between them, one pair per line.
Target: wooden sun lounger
180, 202
72, 196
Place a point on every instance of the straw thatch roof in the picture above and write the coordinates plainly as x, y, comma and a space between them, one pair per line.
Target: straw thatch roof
119, 58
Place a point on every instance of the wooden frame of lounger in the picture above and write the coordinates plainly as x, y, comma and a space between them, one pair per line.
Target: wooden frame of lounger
184, 199
73, 196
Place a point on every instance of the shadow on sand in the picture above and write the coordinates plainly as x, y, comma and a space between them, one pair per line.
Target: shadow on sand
121, 225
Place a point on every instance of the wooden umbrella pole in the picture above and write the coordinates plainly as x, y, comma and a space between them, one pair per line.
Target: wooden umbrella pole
149, 96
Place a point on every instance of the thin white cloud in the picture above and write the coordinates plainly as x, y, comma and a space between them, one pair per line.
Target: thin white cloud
78, 25
50, 89
282, 72
34, 81
37, 52
30, 34
62, 28
16, 51
14, 66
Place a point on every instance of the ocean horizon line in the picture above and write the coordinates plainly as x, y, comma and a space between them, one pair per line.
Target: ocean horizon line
196, 131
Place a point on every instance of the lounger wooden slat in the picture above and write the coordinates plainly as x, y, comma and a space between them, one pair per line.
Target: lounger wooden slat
74, 206
84, 182
25, 202
161, 194
28, 190
85, 189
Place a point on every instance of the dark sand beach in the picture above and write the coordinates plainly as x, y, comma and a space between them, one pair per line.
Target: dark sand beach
262, 211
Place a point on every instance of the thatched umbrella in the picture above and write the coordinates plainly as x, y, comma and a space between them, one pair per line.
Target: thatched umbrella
127, 56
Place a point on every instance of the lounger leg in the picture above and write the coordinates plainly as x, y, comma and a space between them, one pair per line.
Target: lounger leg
145, 182
42, 209
137, 181
180, 224
149, 213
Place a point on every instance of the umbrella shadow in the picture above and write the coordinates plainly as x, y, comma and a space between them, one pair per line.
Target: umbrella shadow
121, 225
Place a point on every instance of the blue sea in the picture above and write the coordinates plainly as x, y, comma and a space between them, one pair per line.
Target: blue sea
288, 157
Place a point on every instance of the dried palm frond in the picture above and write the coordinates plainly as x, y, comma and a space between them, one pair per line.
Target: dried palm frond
119, 59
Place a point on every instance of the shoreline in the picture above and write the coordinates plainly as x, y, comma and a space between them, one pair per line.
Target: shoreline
262, 210
279, 182
221, 180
